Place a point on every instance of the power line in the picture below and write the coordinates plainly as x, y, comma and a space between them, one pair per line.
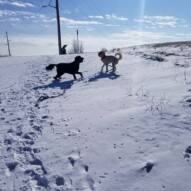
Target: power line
86, 16
58, 23
23, 25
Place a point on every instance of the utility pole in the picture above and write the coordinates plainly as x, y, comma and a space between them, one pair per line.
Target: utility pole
8, 44
58, 23
58, 26
77, 34
78, 42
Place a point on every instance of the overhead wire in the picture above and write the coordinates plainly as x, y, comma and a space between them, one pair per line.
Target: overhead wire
101, 32
92, 8
100, 11
7, 28
26, 23
104, 27
23, 26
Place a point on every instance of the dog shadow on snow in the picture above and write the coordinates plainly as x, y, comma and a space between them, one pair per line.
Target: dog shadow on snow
57, 84
100, 75
65, 85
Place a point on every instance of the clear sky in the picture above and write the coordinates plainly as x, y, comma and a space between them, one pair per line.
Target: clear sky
107, 24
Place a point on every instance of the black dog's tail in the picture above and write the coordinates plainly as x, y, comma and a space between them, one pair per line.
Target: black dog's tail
50, 67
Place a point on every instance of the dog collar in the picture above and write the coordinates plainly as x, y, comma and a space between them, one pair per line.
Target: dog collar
103, 57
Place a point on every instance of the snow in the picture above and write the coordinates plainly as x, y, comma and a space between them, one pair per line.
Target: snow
122, 131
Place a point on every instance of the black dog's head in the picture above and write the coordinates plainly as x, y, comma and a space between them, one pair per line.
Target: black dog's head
79, 59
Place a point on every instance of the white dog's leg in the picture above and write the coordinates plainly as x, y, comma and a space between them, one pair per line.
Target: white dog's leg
102, 67
114, 67
106, 67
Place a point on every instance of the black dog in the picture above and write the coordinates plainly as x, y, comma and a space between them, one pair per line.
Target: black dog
70, 68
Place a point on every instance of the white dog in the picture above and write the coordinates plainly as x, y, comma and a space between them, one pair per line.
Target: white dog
109, 60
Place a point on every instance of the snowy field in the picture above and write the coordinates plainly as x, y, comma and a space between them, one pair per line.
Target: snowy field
123, 131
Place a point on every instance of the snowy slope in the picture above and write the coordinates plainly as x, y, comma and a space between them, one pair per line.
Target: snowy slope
122, 131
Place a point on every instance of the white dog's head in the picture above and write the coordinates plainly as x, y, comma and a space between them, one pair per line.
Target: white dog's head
101, 54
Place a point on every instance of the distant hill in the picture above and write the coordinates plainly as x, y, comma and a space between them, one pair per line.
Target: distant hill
175, 44
160, 45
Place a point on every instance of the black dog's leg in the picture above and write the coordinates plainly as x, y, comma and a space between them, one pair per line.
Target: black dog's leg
74, 76
58, 76
80, 74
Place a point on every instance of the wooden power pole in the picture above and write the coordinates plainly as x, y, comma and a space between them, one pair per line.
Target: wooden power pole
58, 23
58, 27
8, 43
78, 47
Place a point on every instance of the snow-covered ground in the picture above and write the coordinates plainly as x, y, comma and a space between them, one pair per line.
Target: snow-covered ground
122, 131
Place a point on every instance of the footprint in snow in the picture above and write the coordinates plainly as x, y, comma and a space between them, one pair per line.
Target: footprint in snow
59, 180
148, 166
8, 141
72, 161
187, 153
189, 101
86, 168
40, 180
11, 166
30, 135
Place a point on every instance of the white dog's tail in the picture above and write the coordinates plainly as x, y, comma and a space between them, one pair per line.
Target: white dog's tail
118, 54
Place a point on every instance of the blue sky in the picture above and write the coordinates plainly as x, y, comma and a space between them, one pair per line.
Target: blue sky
101, 23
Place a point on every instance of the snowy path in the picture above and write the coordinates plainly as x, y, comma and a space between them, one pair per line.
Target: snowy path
98, 133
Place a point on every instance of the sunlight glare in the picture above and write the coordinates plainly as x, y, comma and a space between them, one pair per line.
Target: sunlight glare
142, 12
